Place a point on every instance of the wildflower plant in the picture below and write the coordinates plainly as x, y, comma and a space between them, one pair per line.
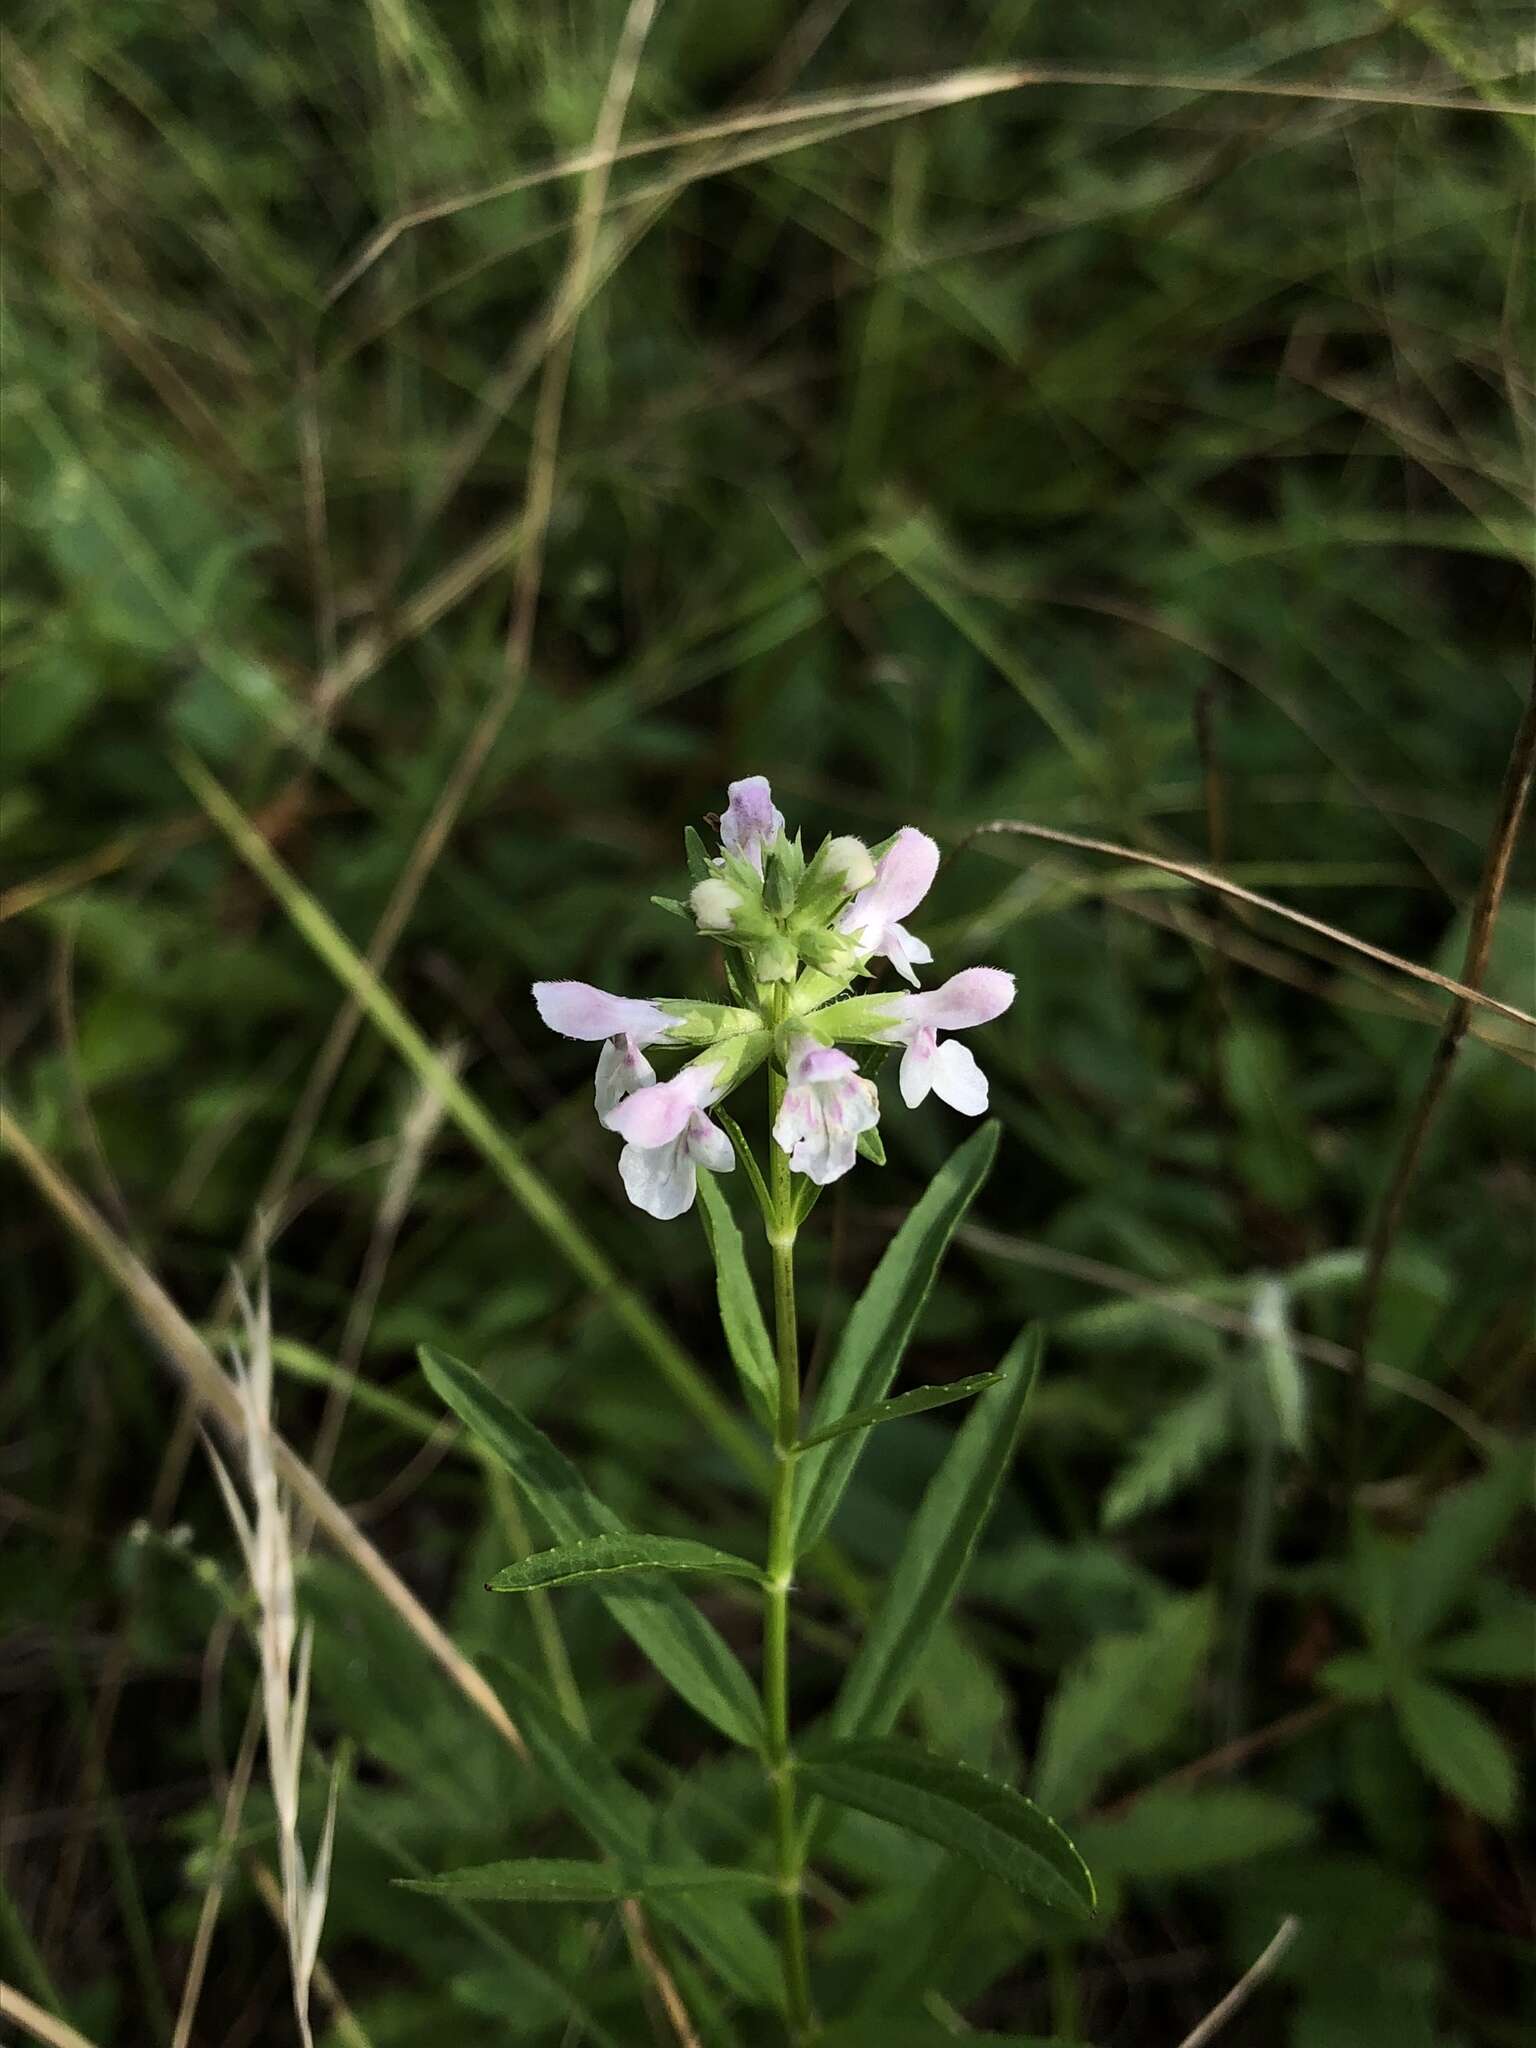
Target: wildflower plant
807, 942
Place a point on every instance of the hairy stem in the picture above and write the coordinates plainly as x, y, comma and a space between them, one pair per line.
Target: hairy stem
781, 1564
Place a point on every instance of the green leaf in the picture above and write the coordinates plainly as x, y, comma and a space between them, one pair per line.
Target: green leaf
942, 1536
870, 1350
1120, 1700
565, 1881
1500, 1645
917, 1402
1462, 1532
1177, 1833
685, 1648
1460, 1750
1355, 1675
623, 1822
1179, 1442
700, 867
604, 1557
741, 1314
995, 1827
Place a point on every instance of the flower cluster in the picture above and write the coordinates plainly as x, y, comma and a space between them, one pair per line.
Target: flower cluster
801, 932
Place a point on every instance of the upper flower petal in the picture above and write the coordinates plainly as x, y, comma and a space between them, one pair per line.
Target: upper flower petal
903, 876
973, 996
578, 1010
655, 1116
750, 823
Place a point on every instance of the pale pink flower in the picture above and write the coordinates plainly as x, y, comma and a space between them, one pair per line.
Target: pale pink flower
826, 1105
903, 876
750, 825
624, 1023
974, 996
668, 1137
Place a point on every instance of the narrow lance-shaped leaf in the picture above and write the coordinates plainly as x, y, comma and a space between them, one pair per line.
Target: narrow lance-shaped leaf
623, 1822
1459, 1749
939, 1545
741, 1314
685, 1648
607, 1557
917, 1402
997, 1828
870, 1350
563, 1881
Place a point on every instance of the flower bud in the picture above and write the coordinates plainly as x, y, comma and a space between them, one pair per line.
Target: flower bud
715, 905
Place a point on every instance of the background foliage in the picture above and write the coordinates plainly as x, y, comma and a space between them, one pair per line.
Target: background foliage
1135, 457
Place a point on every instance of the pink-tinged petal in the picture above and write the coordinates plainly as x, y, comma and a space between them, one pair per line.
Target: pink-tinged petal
750, 823
707, 1144
903, 876
796, 1118
905, 872
974, 996
660, 1179
658, 1115
622, 1070
578, 1010
903, 948
958, 1080
810, 1061
916, 1075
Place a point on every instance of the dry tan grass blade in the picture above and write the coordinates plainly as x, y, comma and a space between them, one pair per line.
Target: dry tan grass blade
215, 1393
1207, 878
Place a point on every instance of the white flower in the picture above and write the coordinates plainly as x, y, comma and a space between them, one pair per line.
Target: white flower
903, 877
826, 1105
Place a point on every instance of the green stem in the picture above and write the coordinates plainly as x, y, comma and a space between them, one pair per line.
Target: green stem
781, 1565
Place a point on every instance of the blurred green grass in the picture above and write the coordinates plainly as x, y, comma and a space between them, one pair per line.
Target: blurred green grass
1145, 458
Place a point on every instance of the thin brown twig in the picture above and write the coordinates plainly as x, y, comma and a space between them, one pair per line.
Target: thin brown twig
1205, 878
1263, 1966
1235, 1321
920, 96
1485, 910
